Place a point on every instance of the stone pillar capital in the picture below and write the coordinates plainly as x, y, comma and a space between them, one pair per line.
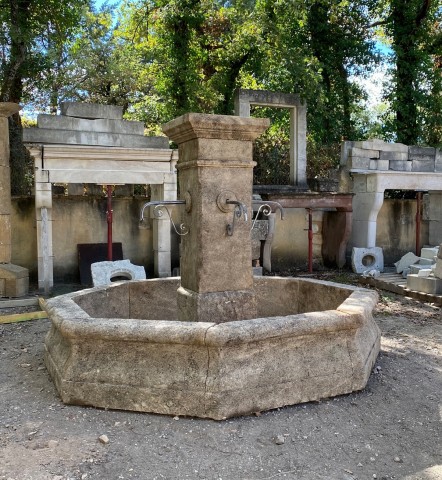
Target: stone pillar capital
9, 108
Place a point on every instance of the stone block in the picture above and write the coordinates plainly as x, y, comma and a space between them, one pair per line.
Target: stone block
431, 285
345, 150
364, 259
15, 280
373, 164
408, 259
359, 184
103, 273
424, 272
393, 156
376, 144
429, 252
91, 110
58, 122
383, 165
416, 268
438, 268
358, 163
415, 150
400, 165
363, 153
425, 261
422, 158
422, 165
72, 137
438, 161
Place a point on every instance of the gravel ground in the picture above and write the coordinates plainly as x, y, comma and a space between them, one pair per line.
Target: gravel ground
390, 430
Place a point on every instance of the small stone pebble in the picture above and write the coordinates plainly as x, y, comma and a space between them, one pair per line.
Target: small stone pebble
279, 440
52, 443
103, 439
397, 460
176, 417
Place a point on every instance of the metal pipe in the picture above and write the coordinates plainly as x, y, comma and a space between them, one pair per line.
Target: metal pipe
310, 240
155, 203
418, 222
109, 222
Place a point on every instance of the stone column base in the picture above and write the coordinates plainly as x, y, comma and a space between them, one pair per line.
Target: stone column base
216, 307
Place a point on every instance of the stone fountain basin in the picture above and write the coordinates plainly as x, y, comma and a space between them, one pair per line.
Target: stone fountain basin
120, 347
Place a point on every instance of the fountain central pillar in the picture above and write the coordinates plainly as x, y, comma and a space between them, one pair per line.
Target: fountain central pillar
215, 168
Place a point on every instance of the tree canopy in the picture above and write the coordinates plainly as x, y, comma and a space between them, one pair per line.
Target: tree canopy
161, 58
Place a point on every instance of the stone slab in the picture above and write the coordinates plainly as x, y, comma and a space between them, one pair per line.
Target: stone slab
363, 153
393, 155
429, 285
91, 110
415, 150
72, 137
422, 165
362, 163
438, 161
400, 165
58, 122
104, 272
437, 270
377, 144
408, 259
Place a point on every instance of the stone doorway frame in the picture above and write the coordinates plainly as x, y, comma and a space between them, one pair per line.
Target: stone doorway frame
245, 98
101, 165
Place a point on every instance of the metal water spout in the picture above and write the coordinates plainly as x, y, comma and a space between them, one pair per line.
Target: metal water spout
268, 207
158, 212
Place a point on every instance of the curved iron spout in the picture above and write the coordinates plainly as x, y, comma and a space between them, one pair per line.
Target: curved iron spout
271, 207
240, 208
156, 203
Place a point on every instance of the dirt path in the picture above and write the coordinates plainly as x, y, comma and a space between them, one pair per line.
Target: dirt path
391, 430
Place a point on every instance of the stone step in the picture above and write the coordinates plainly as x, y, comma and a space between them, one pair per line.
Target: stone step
58, 122
72, 137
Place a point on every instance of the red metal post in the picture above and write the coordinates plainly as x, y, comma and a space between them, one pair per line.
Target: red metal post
418, 222
109, 222
310, 240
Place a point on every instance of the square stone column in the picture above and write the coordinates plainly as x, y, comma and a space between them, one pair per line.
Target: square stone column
14, 280
215, 165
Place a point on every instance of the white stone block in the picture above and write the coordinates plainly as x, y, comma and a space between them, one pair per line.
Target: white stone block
408, 259
400, 165
104, 272
429, 285
377, 144
429, 252
424, 272
393, 155
366, 259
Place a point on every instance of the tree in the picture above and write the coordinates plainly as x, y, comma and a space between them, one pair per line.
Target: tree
27, 28
414, 29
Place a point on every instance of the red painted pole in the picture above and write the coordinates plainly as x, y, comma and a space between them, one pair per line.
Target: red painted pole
310, 240
109, 222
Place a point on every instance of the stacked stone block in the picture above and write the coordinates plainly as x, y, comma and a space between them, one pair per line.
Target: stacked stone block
379, 155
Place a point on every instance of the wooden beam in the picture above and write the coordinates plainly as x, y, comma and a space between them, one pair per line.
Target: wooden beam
22, 302
22, 317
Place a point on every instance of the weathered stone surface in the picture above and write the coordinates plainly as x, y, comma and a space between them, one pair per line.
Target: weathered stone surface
104, 272
400, 165
14, 280
73, 137
209, 370
438, 268
363, 259
422, 165
58, 122
386, 155
415, 150
9, 108
91, 110
429, 252
438, 161
408, 259
362, 163
363, 153
430, 285
377, 144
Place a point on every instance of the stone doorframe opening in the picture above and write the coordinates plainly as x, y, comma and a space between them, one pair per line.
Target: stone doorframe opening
244, 99
101, 165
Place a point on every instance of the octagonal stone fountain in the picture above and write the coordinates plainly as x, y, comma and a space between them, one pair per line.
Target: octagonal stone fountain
217, 342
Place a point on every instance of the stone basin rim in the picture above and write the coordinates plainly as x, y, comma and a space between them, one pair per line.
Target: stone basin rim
74, 322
